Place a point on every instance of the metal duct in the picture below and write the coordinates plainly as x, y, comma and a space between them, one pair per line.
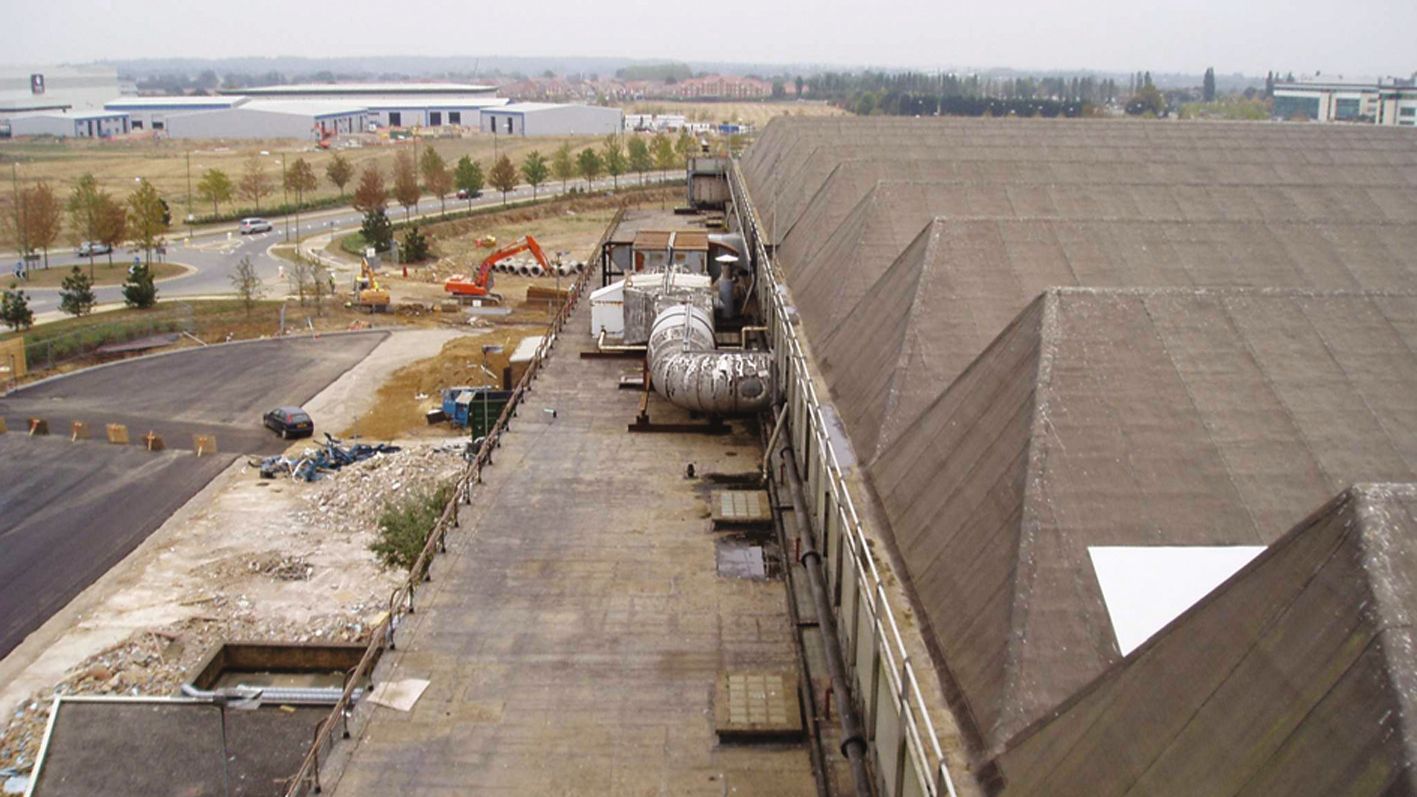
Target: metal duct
687, 370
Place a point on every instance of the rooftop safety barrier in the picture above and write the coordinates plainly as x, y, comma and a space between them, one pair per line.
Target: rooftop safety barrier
906, 747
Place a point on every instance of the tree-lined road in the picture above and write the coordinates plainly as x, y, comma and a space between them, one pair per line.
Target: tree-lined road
214, 252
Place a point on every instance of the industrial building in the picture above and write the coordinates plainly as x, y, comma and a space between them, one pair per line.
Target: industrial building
151, 113
272, 119
1073, 358
31, 89
394, 104
552, 119
1378, 102
80, 124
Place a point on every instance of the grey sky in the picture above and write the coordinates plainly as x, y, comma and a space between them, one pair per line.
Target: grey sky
1360, 37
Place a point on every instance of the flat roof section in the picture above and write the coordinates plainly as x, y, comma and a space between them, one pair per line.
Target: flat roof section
576, 630
347, 89
140, 747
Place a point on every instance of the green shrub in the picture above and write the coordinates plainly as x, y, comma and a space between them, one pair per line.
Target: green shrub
405, 524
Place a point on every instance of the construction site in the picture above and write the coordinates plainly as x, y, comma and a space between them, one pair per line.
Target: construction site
927, 457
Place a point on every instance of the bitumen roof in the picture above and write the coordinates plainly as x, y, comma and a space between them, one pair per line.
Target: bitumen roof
1174, 417
795, 155
139, 747
1046, 336
893, 330
1294, 677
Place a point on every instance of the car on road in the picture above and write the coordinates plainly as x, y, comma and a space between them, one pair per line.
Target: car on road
91, 248
463, 193
254, 225
289, 422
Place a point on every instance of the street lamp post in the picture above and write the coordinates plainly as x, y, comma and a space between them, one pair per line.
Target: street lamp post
285, 194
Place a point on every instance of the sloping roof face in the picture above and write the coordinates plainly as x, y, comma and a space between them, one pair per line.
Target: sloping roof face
794, 156
1104, 418
976, 273
1298, 677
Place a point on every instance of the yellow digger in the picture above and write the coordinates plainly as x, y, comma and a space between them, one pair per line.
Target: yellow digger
367, 292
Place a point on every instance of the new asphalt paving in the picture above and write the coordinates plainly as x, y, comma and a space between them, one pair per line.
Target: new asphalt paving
69, 511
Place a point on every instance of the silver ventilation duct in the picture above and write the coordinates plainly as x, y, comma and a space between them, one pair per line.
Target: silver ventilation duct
689, 372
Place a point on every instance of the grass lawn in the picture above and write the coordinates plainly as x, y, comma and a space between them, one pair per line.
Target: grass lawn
103, 274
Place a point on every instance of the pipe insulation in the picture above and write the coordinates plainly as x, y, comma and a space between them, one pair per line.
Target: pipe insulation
688, 371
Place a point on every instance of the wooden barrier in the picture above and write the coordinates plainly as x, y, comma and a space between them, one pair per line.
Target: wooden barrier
38, 426
204, 444
153, 441
118, 434
78, 430
2, 425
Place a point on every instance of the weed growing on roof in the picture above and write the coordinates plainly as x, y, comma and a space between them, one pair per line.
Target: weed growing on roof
405, 524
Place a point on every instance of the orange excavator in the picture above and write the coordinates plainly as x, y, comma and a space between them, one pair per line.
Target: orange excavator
480, 286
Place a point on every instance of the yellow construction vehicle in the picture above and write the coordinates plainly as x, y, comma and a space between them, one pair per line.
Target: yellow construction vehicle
367, 293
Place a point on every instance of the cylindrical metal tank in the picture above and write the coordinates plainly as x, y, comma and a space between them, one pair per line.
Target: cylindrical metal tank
687, 370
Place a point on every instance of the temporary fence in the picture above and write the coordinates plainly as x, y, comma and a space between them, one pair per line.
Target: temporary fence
402, 601
905, 746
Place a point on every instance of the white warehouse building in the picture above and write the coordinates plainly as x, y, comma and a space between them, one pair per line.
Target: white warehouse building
308, 119
151, 113
80, 124
395, 104
552, 119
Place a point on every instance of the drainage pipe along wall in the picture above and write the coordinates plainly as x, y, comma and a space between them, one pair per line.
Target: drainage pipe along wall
688, 371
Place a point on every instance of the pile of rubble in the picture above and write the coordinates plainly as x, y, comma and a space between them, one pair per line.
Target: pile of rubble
352, 499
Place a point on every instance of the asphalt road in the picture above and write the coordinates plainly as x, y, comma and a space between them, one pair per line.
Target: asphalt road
70, 511
214, 252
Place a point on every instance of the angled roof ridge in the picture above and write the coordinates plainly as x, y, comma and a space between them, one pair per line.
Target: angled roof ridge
921, 269
1355, 500
1071, 291
1394, 618
1048, 335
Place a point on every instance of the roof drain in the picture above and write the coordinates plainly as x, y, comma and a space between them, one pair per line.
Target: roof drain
689, 371
853, 744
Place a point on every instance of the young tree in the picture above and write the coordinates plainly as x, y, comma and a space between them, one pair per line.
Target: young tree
248, 284
684, 147
436, 177
589, 165
301, 277
83, 207
376, 230
371, 194
468, 177
15, 309
300, 179
339, 171
321, 285
503, 176
664, 157
255, 184
1208, 85
146, 217
415, 246
43, 217
613, 156
112, 226
139, 290
563, 165
535, 171
640, 159
214, 187
406, 190
76, 298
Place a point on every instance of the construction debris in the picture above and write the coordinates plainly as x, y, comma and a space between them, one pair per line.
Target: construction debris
314, 463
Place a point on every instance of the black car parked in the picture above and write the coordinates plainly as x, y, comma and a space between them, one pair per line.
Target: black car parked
289, 422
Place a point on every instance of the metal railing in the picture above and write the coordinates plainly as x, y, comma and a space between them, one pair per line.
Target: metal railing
401, 602
904, 744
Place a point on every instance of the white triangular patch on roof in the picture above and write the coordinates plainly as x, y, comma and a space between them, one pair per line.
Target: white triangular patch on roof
1146, 587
